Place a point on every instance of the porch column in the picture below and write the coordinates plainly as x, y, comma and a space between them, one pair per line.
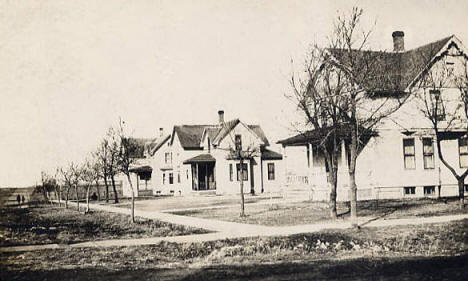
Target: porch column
206, 177
310, 174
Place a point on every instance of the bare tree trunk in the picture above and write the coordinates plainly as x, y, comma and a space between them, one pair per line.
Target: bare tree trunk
352, 173
133, 197
333, 184
77, 199
66, 198
87, 198
98, 191
242, 213
57, 196
116, 198
107, 188
461, 191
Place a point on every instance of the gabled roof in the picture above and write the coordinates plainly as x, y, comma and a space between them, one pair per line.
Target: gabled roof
140, 145
393, 71
148, 146
192, 136
156, 144
189, 135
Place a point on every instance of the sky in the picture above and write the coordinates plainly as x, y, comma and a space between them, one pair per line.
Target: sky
70, 69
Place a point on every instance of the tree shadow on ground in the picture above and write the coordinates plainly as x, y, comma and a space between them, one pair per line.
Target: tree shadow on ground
415, 268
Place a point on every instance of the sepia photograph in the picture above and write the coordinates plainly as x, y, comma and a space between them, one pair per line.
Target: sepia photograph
247, 140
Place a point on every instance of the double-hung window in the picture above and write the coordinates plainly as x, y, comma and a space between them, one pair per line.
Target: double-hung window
244, 172
171, 178
408, 154
231, 172
271, 171
438, 105
238, 142
428, 153
463, 152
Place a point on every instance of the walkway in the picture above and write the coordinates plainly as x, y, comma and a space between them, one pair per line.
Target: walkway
223, 229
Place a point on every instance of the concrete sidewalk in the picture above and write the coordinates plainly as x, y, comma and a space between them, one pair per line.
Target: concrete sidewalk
224, 230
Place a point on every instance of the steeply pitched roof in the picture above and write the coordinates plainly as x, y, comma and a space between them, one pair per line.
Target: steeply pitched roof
190, 136
140, 145
225, 129
392, 71
259, 132
157, 143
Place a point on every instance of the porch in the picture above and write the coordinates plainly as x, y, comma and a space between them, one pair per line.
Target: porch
203, 172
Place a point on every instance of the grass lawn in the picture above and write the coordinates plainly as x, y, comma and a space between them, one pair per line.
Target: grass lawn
312, 212
50, 224
420, 252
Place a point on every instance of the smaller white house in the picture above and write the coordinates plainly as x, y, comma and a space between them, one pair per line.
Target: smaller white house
197, 159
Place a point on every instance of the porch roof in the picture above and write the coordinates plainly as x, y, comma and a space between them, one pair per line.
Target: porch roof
271, 155
202, 158
141, 169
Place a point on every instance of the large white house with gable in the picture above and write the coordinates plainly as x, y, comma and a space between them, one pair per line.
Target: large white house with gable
401, 160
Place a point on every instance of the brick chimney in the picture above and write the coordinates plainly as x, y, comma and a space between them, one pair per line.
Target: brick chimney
161, 132
221, 116
398, 41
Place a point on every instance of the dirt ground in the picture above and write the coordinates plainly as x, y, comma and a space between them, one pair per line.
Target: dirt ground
47, 224
420, 252
282, 214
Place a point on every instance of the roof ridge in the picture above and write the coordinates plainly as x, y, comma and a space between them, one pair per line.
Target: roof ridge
433, 42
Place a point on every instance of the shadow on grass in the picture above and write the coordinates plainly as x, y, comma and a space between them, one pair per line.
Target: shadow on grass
417, 268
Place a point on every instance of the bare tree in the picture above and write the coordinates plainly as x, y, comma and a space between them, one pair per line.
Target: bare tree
241, 152
114, 150
125, 160
450, 124
319, 98
69, 178
88, 175
372, 91
103, 159
49, 184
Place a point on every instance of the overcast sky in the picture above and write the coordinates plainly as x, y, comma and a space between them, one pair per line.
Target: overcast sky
69, 69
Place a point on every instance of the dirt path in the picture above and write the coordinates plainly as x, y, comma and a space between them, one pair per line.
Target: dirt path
225, 230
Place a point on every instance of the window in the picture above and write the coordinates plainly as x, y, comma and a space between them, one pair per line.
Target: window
463, 152
439, 109
171, 178
428, 153
408, 153
466, 187
186, 173
164, 178
429, 190
238, 142
178, 177
409, 190
244, 172
230, 172
271, 171
168, 158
